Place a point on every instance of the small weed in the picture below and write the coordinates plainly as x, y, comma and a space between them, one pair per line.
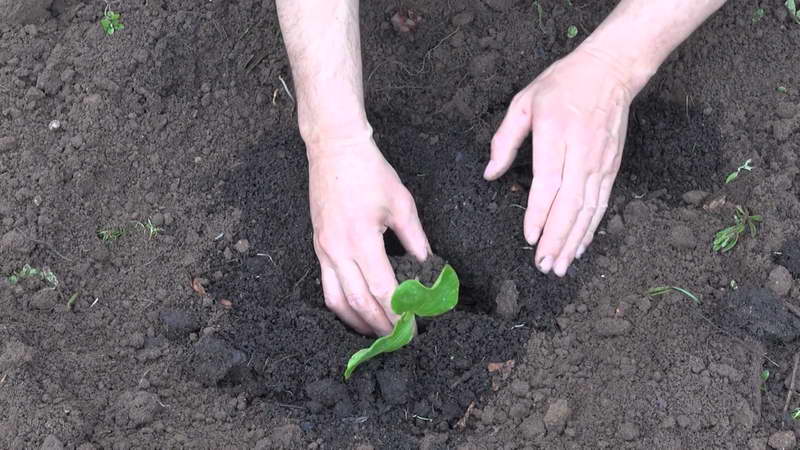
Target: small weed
791, 5
758, 14
538, 5
27, 271
111, 234
796, 414
71, 301
734, 285
149, 228
661, 290
764, 375
727, 238
572, 31
111, 22
782, 89
735, 174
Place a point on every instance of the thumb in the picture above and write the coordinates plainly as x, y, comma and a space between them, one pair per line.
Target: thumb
516, 126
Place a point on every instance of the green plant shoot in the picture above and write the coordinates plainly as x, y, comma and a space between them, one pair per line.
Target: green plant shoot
32, 272
661, 290
111, 22
726, 239
796, 414
735, 174
411, 299
791, 5
572, 31
758, 14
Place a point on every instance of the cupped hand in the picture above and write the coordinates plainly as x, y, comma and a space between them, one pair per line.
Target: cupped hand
577, 110
354, 196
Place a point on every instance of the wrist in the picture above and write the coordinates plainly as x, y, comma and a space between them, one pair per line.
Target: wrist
632, 67
325, 138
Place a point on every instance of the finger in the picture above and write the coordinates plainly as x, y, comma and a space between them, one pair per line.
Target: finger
516, 126
360, 299
404, 221
582, 223
336, 302
602, 206
548, 163
378, 272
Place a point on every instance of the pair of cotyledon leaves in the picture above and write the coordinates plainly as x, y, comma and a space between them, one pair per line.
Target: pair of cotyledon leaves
411, 299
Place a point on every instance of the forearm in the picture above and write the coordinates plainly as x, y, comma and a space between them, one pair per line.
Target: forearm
640, 34
323, 43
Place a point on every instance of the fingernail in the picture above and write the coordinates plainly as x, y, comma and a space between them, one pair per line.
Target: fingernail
545, 264
580, 251
491, 168
533, 235
560, 268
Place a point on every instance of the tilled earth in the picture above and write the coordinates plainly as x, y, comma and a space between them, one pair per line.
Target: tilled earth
199, 322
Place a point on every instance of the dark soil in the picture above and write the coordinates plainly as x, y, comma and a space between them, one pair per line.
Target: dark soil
212, 332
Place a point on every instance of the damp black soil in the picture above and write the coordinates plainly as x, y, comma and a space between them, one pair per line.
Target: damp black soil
210, 330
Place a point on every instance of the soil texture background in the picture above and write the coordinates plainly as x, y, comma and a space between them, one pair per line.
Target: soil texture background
199, 321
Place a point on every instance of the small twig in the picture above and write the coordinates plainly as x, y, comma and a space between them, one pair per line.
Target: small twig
94, 302
791, 387
286, 88
794, 309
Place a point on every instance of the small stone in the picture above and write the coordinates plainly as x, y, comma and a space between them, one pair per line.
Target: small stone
158, 219
520, 388
757, 444
8, 143
393, 385
507, 300
555, 419
178, 324
786, 110
668, 422
783, 440
683, 421
327, 392
242, 246
610, 326
636, 211
682, 237
52, 443
463, 18
694, 197
780, 281
743, 416
726, 371
628, 431
616, 225
533, 427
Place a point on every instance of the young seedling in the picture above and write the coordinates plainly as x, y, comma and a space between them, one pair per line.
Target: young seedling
727, 238
758, 14
796, 414
32, 272
661, 290
735, 174
149, 228
71, 301
411, 299
764, 375
110, 234
791, 5
572, 31
111, 21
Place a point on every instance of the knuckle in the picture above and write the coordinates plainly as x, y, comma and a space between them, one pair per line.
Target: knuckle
356, 301
382, 291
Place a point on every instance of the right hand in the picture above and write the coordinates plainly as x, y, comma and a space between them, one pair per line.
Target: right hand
354, 195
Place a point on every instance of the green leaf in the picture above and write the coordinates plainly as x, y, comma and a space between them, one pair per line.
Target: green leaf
401, 336
572, 31
765, 374
758, 14
732, 176
412, 297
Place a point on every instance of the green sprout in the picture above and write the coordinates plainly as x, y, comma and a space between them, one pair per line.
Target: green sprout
572, 31
110, 234
71, 301
764, 375
32, 272
149, 228
791, 5
111, 22
727, 238
758, 14
411, 299
661, 290
782, 89
796, 414
539, 11
735, 174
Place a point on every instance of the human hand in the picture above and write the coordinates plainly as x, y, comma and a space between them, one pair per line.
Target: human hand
354, 196
577, 110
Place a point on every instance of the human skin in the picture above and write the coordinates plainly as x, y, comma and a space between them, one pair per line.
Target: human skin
577, 110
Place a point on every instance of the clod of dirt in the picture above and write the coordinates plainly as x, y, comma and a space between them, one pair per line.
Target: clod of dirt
214, 360
694, 197
507, 300
405, 20
636, 211
783, 440
408, 268
393, 385
628, 431
14, 355
242, 246
760, 313
682, 237
136, 409
21, 12
499, 5
787, 110
178, 324
533, 427
555, 419
463, 18
609, 326
52, 443
790, 256
484, 65
8, 143
14, 241
744, 416
44, 299
780, 281
326, 392
616, 225
287, 436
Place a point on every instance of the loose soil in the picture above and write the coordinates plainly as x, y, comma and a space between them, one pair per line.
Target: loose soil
212, 333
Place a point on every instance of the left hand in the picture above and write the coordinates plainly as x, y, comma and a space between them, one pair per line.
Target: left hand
577, 110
